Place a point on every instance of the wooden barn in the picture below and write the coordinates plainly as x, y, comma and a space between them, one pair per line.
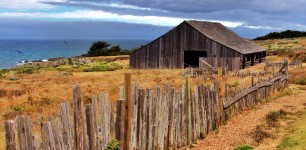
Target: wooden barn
198, 44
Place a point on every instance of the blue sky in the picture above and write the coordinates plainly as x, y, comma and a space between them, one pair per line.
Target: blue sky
142, 19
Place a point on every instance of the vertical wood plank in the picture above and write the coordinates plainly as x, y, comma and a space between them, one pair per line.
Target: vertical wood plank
67, 131
9, 135
79, 140
95, 122
128, 88
90, 128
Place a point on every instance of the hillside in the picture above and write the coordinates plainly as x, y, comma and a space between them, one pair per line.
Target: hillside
294, 48
282, 35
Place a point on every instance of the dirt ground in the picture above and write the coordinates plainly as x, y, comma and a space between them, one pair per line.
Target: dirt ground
239, 127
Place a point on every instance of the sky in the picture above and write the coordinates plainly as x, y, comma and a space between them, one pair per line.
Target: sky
143, 19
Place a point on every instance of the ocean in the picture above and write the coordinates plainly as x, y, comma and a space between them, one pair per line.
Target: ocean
13, 52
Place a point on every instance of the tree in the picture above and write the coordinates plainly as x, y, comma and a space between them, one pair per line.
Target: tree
99, 48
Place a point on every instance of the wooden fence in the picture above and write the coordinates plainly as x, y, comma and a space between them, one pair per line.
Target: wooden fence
194, 72
277, 65
144, 118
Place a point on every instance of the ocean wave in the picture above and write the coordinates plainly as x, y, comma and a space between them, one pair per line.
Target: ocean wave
23, 62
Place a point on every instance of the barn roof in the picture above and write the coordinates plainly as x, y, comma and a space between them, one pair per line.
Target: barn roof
224, 36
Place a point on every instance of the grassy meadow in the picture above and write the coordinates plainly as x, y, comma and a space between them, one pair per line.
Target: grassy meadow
37, 91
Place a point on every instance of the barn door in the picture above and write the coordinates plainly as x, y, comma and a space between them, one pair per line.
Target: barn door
191, 58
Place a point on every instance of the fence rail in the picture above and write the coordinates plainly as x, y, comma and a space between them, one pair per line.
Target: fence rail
144, 118
293, 64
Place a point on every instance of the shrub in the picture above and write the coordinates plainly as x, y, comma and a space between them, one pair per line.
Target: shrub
16, 109
244, 147
273, 117
26, 70
65, 74
235, 84
113, 145
13, 78
260, 134
302, 81
202, 134
46, 101
103, 66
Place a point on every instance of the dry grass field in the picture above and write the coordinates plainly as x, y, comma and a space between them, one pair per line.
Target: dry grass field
39, 94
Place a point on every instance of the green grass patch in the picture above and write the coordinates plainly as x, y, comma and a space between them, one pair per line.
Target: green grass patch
102, 66
244, 147
273, 117
113, 145
94, 67
297, 138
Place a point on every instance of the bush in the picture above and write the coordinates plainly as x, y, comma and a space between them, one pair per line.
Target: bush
65, 74
103, 66
26, 70
244, 147
302, 81
202, 134
230, 85
260, 134
273, 117
113, 145
16, 109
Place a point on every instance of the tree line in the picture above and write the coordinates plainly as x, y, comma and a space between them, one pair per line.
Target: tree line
282, 35
102, 48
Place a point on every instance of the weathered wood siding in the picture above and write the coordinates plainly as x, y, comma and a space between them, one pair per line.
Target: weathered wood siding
167, 51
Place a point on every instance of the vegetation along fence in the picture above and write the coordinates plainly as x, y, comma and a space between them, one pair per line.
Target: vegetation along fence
144, 118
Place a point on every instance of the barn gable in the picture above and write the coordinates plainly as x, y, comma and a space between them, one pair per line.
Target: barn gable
221, 34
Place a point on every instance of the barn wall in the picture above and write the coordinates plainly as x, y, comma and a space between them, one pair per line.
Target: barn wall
168, 50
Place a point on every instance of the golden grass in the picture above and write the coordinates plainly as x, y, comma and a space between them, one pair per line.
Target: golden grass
39, 94
282, 43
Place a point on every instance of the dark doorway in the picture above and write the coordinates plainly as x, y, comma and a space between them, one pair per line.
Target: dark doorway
191, 58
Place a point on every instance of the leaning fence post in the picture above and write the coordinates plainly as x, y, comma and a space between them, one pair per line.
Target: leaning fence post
127, 116
286, 68
9, 135
188, 97
220, 92
252, 81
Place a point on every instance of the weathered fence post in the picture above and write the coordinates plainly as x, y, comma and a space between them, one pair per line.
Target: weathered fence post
220, 95
127, 116
287, 66
90, 128
95, 122
188, 98
67, 126
9, 135
24, 132
79, 138
252, 81
105, 121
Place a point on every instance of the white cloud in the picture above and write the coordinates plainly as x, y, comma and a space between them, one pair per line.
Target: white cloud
298, 26
259, 27
26, 4
107, 16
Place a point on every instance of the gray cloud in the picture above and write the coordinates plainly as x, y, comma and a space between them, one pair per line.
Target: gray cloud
38, 29
259, 17
276, 14
204, 6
